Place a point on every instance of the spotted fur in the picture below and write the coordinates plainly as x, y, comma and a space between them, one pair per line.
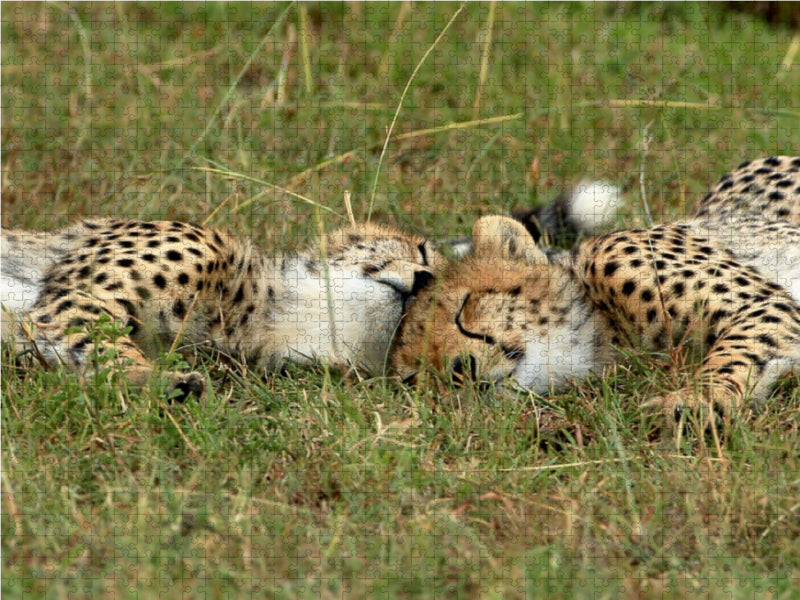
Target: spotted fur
169, 279
726, 279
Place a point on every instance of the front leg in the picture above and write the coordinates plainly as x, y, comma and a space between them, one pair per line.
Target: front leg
707, 407
75, 346
732, 380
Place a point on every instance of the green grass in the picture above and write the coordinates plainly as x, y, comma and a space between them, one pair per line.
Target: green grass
318, 485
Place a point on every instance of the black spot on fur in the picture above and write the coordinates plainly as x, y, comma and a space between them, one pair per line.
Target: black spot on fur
76, 322
179, 308
610, 268
628, 287
65, 305
726, 185
81, 343
718, 315
127, 305
720, 288
159, 281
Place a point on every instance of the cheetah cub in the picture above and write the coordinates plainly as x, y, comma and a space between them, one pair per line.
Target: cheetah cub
168, 279
727, 279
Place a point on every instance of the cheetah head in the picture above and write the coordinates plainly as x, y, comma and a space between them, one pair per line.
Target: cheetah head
505, 312
404, 262
371, 275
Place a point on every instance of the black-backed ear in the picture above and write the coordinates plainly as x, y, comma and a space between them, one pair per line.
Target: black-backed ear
531, 219
506, 237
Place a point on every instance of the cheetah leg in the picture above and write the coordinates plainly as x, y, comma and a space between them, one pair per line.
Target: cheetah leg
725, 383
76, 349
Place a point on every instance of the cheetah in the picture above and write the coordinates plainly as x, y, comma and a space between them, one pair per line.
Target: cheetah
164, 280
725, 281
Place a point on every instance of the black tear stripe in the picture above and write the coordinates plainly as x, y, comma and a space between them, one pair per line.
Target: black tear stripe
484, 337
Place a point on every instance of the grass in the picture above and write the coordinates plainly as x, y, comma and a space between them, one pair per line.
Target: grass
316, 485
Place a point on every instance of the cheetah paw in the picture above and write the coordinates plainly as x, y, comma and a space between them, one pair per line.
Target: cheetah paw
686, 406
188, 384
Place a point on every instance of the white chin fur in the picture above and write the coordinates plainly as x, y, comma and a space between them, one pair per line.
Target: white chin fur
364, 316
551, 365
593, 205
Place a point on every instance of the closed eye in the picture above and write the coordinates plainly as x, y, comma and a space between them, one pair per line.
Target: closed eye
423, 252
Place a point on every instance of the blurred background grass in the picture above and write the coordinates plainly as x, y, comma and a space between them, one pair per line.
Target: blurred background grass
313, 485
113, 108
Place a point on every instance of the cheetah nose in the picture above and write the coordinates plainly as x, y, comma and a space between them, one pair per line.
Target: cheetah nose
421, 281
461, 372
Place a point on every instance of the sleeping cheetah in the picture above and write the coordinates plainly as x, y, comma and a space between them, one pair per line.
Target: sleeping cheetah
168, 279
727, 279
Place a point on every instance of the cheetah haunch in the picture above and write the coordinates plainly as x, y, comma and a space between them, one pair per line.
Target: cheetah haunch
727, 279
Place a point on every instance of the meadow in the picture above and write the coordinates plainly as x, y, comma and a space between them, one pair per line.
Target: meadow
320, 484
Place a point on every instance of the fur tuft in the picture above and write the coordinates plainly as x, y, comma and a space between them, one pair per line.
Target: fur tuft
593, 206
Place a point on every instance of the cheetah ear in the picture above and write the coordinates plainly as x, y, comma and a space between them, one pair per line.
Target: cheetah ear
507, 237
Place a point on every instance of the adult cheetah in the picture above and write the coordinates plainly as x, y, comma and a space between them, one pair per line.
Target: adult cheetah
727, 279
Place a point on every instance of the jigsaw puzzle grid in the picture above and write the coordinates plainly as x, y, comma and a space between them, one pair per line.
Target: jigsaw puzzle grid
203, 173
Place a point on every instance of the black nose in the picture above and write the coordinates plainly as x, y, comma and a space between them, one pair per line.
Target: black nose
421, 281
462, 371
